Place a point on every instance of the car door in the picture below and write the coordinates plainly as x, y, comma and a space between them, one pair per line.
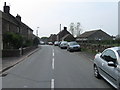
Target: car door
102, 63
110, 72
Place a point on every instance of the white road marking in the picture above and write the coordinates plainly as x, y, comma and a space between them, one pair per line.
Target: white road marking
53, 50
53, 54
25, 86
53, 65
52, 84
53, 60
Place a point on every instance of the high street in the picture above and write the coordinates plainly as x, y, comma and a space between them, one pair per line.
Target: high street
52, 67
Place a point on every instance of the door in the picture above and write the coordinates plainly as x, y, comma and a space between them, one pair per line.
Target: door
110, 72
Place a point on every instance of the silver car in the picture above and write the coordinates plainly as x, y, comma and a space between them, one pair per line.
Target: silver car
107, 65
73, 46
63, 44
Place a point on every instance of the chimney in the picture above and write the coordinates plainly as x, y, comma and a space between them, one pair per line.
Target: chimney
18, 17
6, 8
65, 28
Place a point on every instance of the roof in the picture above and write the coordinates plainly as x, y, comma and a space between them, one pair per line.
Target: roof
63, 33
89, 33
13, 20
9, 18
114, 48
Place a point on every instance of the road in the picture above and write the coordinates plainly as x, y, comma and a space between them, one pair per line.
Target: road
52, 67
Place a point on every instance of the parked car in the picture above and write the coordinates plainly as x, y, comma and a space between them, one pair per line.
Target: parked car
73, 46
50, 43
107, 65
63, 45
42, 43
56, 43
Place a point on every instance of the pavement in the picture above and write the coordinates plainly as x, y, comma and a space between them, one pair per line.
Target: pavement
9, 62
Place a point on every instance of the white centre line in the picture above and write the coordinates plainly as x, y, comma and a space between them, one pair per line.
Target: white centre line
53, 60
52, 84
53, 65
53, 54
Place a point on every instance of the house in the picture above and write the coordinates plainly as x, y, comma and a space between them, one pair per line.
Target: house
117, 37
64, 35
1, 43
68, 37
52, 38
94, 35
14, 24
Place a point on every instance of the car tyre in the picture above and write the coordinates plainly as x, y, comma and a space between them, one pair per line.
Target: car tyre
96, 72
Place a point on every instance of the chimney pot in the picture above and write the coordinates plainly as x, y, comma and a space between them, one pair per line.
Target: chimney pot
18, 17
65, 28
4, 3
6, 8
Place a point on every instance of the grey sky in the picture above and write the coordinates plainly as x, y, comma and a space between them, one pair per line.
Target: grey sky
49, 14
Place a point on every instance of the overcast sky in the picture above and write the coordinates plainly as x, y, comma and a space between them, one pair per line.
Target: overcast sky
49, 14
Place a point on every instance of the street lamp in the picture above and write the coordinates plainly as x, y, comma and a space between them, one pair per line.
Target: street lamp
37, 31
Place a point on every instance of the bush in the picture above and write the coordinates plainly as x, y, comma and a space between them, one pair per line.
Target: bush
12, 40
27, 43
36, 41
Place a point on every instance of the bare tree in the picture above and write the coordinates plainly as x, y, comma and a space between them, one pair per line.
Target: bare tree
72, 28
76, 29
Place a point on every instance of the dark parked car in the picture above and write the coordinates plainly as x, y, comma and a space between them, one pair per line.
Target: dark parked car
107, 65
73, 46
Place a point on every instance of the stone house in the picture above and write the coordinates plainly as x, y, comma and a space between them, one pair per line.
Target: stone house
94, 35
64, 35
52, 38
1, 43
14, 24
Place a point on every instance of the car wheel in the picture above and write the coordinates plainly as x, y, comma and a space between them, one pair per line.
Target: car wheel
96, 72
70, 50
80, 49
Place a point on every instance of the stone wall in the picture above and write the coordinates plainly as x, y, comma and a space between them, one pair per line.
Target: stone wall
95, 47
28, 49
17, 52
10, 53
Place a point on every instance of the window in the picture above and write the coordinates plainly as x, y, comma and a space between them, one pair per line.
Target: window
18, 30
109, 55
118, 52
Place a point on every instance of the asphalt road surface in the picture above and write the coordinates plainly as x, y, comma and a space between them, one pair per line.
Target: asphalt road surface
52, 67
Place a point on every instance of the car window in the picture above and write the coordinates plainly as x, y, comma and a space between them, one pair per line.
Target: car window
109, 55
74, 43
118, 52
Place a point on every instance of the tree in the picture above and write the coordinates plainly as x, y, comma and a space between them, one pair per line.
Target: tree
75, 29
72, 28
